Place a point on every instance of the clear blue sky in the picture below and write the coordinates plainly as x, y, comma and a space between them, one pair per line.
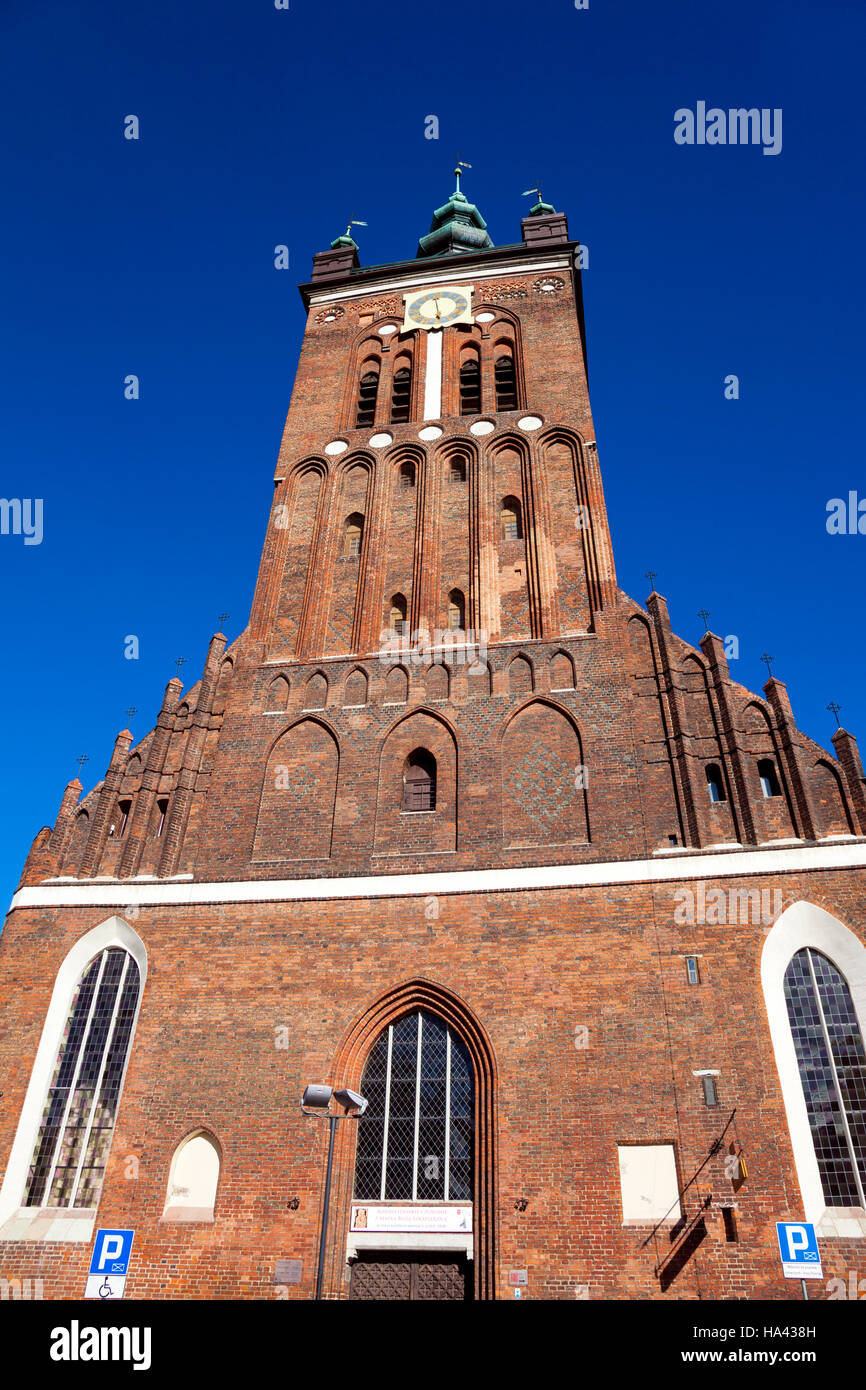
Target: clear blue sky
261, 126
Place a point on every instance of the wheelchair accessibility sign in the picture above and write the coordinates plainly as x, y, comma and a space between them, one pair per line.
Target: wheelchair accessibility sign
798, 1246
109, 1264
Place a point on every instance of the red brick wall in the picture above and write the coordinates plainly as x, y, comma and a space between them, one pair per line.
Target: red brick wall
532, 968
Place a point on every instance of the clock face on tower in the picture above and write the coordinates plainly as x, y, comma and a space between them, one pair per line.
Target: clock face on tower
438, 308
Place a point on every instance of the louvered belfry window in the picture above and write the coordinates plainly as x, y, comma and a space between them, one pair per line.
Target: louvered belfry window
78, 1120
416, 1139
368, 390
400, 395
419, 781
470, 386
832, 1064
506, 383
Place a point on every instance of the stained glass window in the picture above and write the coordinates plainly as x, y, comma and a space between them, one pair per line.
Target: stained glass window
81, 1107
415, 1142
832, 1064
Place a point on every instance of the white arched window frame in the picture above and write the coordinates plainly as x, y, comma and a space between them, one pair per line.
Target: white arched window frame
193, 1178
800, 926
18, 1222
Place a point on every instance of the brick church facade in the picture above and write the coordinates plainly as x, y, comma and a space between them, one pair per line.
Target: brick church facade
458, 824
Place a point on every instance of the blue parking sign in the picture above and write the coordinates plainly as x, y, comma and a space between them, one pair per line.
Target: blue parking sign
109, 1264
798, 1247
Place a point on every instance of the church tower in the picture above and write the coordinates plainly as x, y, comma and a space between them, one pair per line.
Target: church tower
460, 826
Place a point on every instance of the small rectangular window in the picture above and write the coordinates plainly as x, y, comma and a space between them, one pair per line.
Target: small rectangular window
692, 970
711, 1094
729, 1216
672, 841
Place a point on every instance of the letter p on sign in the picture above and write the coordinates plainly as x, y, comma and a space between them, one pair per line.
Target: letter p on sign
798, 1247
112, 1249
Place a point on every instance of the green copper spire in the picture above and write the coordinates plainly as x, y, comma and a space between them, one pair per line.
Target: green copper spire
457, 226
346, 239
540, 208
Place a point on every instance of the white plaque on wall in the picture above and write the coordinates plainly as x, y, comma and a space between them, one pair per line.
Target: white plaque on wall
416, 1217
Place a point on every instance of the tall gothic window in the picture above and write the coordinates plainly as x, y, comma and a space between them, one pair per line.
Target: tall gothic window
415, 1141
397, 616
71, 1150
832, 1064
470, 386
456, 611
368, 390
715, 784
769, 780
401, 392
419, 781
505, 381
509, 518
353, 536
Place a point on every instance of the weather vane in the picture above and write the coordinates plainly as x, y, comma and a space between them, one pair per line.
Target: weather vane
354, 222
461, 164
530, 191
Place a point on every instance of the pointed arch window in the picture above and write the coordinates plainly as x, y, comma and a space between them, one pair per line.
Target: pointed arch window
354, 534
470, 385
71, 1151
769, 780
505, 380
832, 1064
419, 781
510, 519
401, 394
715, 783
397, 617
416, 1139
193, 1179
456, 611
368, 391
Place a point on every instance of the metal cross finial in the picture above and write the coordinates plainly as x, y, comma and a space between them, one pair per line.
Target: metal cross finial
461, 164
766, 660
81, 761
131, 711
705, 614
223, 618
834, 709
179, 661
651, 575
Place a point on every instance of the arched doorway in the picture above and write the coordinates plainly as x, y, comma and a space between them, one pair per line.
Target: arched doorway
419, 1169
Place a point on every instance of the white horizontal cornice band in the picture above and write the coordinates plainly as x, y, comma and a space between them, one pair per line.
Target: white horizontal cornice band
453, 275
689, 867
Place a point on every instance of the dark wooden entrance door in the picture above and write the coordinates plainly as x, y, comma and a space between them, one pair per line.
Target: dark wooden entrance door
421, 1276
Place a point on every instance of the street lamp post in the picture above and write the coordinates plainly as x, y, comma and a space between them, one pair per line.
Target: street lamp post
316, 1101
